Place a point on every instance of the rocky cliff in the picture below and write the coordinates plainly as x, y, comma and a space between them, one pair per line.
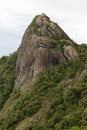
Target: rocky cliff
57, 99
44, 44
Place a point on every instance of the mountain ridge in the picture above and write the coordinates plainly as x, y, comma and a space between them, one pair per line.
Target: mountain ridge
43, 85
44, 44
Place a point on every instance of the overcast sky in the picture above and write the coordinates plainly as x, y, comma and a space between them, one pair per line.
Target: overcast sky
16, 15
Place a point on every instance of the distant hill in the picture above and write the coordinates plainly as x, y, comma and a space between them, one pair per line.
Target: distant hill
43, 85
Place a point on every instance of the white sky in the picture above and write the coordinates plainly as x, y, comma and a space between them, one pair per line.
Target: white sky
16, 15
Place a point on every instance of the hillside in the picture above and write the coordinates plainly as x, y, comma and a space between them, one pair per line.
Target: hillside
43, 85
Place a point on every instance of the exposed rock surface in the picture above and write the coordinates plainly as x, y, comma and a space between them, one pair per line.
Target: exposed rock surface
42, 47
43, 60
70, 52
58, 58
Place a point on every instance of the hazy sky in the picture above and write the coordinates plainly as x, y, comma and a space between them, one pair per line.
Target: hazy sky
16, 15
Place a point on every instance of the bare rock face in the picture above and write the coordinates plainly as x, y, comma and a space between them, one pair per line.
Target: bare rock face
61, 57
43, 60
40, 49
70, 52
42, 20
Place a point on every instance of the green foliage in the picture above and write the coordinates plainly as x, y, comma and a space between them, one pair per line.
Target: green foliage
33, 26
25, 106
58, 100
7, 76
35, 126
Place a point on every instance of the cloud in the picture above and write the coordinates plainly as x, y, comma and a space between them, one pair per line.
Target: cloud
16, 15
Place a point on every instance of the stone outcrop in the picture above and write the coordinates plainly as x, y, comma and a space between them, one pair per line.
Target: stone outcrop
44, 44
58, 57
43, 60
70, 52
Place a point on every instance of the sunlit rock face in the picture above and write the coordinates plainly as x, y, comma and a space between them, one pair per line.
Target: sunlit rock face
44, 44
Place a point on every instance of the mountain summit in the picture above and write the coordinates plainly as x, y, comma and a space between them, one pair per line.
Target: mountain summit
43, 85
44, 44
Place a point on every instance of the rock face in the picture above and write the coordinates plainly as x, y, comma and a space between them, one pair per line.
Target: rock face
44, 44
43, 60
70, 52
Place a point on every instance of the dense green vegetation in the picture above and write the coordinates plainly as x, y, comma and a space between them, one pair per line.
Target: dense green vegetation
7, 76
57, 101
